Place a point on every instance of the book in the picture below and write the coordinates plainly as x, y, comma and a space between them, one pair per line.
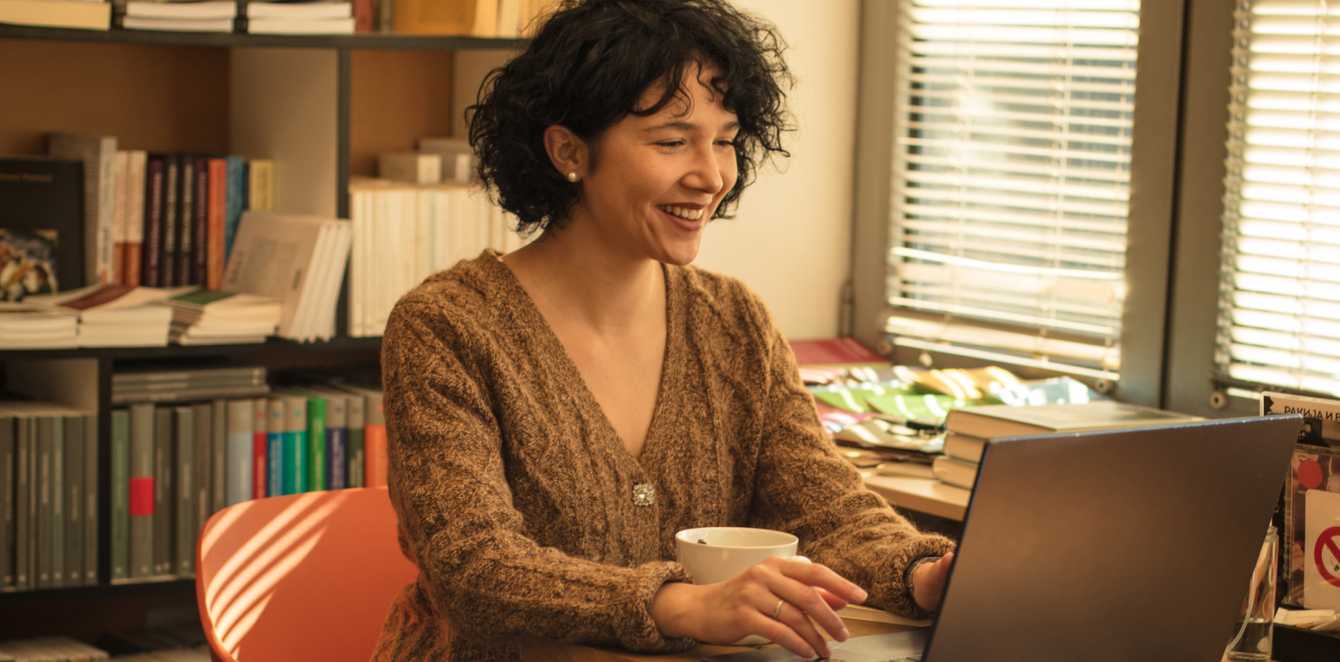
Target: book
241, 416
992, 421
183, 496
955, 471
218, 447
198, 9
355, 424
260, 185
202, 471
259, 448
73, 497
907, 469
275, 426
167, 259
155, 181
25, 498
337, 436
119, 484
164, 488
98, 154
143, 491
178, 24
134, 217
317, 466
43, 237
410, 167
7, 477
277, 256
964, 447
296, 457
322, 9
215, 238
74, 14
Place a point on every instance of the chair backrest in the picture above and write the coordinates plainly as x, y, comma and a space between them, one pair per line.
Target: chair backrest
300, 577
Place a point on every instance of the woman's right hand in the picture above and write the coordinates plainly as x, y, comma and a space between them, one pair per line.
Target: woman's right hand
728, 611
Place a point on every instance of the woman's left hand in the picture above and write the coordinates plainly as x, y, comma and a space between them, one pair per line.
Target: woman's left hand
928, 582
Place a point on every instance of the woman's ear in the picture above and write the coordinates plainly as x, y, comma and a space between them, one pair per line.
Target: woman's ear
567, 152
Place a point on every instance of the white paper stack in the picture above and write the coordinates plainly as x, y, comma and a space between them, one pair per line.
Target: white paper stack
404, 233
31, 326
192, 16
120, 315
319, 17
297, 260
205, 317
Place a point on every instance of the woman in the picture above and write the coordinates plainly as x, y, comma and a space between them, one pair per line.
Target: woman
558, 413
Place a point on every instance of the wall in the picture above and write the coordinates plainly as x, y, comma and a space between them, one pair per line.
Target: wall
790, 240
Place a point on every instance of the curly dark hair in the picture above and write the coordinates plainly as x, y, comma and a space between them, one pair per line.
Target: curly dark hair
588, 67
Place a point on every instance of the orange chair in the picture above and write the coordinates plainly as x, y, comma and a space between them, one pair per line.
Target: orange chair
300, 577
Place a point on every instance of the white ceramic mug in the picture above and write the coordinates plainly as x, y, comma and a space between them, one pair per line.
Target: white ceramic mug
717, 553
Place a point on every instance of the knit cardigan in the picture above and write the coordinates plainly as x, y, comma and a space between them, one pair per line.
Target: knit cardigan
527, 516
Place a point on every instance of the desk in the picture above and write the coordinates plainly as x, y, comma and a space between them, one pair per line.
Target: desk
555, 652
925, 495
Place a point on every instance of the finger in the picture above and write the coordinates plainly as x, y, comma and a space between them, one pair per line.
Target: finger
781, 634
833, 601
821, 576
798, 621
806, 600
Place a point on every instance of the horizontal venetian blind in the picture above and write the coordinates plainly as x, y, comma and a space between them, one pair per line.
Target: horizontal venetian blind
1279, 304
1012, 179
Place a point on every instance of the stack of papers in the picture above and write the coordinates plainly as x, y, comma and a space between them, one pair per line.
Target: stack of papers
203, 16
33, 326
119, 315
210, 317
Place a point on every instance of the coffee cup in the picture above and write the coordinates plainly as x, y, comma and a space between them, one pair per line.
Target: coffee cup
717, 553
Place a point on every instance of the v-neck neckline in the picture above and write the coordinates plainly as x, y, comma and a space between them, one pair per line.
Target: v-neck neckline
527, 308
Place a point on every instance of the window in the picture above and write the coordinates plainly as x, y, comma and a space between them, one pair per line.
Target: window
1279, 303
1011, 180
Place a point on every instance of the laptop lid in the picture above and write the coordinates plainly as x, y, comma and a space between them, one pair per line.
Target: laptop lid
1124, 545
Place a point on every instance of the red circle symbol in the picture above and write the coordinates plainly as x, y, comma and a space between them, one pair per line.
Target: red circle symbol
1329, 540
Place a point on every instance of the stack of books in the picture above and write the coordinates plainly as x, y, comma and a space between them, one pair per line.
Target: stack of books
405, 232
192, 384
120, 315
78, 14
969, 431
302, 17
297, 260
180, 16
33, 326
212, 317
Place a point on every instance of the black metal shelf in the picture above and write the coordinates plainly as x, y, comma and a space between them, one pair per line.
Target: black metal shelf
372, 41
179, 351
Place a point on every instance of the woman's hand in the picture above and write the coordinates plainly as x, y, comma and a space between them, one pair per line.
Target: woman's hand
774, 599
928, 582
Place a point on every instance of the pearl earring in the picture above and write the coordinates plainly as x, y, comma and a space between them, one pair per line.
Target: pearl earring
572, 177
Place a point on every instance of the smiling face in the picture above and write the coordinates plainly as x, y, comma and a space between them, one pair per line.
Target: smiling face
658, 179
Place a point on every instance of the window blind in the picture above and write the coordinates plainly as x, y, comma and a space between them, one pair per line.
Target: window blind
1279, 303
1011, 180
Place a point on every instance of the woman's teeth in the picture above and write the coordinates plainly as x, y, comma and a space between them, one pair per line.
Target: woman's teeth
683, 212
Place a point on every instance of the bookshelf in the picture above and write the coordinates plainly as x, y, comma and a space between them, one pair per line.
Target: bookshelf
321, 107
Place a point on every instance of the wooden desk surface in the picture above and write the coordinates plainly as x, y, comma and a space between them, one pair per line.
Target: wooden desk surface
570, 653
925, 495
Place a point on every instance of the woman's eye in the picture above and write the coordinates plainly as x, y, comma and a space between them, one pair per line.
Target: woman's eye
725, 143
669, 143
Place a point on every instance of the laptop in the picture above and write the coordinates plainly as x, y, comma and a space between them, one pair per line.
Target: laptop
1132, 544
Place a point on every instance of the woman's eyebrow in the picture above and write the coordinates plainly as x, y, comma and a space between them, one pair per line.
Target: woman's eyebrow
688, 126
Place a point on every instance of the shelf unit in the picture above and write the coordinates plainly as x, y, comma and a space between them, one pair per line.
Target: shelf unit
321, 107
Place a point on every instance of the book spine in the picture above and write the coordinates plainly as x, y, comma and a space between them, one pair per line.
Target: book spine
261, 185
203, 202
7, 457
274, 447
186, 221
142, 490
218, 210
74, 498
259, 441
135, 219
374, 442
91, 492
163, 485
57, 524
235, 205
218, 463
241, 414
296, 455
120, 238
316, 444
363, 15
202, 453
355, 434
171, 192
155, 182
119, 554
23, 503
183, 499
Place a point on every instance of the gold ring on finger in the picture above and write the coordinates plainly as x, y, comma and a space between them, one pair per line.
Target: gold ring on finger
777, 613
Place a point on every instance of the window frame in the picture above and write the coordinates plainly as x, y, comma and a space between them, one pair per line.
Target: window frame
1150, 229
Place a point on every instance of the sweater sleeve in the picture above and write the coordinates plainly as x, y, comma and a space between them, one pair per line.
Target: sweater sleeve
457, 524
804, 486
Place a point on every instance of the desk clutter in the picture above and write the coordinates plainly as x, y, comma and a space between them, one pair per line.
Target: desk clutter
176, 643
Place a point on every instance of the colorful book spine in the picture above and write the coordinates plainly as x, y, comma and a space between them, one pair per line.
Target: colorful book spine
275, 425
155, 176
241, 414
337, 440
236, 203
296, 454
374, 441
200, 251
171, 233
135, 218
218, 211
119, 553
259, 441
316, 443
355, 427
141, 491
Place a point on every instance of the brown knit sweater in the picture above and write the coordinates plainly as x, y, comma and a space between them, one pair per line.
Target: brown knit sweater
515, 496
